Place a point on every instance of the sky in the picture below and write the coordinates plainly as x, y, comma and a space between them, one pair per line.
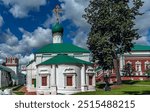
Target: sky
25, 25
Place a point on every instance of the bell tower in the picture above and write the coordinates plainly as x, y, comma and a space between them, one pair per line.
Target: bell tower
12, 63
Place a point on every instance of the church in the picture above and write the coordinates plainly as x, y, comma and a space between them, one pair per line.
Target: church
60, 68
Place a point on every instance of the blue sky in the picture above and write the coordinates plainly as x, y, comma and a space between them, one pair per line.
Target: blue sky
25, 25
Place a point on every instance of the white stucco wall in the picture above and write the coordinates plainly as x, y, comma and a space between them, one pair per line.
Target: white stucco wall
43, 71
61, 79
31, 73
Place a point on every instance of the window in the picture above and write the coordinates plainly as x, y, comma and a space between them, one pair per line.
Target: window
147, 65
69, 80
44, 81
34, 82
138, 66
90, 80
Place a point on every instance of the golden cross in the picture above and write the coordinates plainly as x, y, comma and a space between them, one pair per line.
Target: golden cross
57, 10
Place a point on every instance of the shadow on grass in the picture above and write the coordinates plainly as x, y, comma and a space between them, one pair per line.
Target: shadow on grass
132, 92
131, 82
145, 92
137, 92
102, 85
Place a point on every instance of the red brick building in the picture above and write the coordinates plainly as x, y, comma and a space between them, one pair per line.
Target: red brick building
138, 59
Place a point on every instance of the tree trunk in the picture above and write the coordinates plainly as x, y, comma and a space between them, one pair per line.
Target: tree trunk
116, 67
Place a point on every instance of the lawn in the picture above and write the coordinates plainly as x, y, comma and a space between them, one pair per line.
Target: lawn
127, 88
19, 93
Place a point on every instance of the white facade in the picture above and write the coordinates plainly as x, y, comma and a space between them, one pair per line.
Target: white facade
31, 76
57, 77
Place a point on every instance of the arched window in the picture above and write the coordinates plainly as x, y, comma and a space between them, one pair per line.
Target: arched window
70, 77
138, 66
147, 65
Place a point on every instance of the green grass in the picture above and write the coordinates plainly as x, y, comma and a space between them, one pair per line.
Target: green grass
17, 88
127, 88
147, 82
19, 93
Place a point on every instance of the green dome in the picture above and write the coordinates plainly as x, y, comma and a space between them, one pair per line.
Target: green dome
57, 28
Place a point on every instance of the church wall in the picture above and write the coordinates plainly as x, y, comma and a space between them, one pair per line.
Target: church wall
31, 74
43, 57
62, 71
38, 58
83, 56
14, 68
43, 71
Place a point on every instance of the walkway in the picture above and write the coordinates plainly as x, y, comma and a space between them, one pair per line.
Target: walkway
24, 89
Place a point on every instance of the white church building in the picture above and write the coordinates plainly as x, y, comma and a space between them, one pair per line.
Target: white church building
60, 68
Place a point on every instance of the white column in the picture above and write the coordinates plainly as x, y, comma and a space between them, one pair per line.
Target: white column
53, 81
94, 81
29, 80
83, 79
38, 80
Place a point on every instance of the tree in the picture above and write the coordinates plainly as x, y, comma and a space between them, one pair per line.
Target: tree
128, 69
112, 30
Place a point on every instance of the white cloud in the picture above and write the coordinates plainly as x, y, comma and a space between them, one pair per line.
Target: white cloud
21, 8
37, 38
1, 21
25, 59
73, 10
143, 24
80, 39
143, 41
23, 48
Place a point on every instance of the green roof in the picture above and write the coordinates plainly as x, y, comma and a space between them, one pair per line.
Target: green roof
98, 69
5, 68
14, 77
57, 27
64, 59
141, 48
61, 48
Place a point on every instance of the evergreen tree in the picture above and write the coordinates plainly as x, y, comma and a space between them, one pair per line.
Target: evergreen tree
112, 30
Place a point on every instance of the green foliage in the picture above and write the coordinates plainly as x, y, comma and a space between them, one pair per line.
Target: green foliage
148, 72
128, 69
19, 93
112, 28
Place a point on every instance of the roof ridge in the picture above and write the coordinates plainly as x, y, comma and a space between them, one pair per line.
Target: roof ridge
61, 48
